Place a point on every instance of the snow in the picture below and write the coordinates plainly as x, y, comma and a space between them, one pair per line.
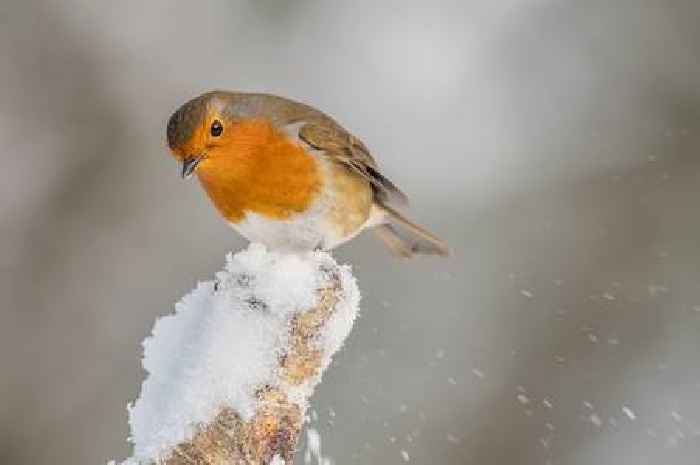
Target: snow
629, 412
225, 340
313, 448
277, 460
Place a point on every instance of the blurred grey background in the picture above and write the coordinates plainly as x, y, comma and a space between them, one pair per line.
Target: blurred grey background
554, 144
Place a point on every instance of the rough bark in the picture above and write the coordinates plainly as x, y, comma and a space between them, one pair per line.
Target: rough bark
273, 432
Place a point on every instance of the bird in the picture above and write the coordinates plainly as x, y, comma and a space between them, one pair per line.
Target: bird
287, 175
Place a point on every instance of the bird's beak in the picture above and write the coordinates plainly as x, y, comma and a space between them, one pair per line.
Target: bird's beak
189, 164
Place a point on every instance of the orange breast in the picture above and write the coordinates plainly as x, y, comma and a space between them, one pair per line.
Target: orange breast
258, 168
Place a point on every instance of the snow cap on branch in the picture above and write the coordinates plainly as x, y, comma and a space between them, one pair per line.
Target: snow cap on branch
256, 329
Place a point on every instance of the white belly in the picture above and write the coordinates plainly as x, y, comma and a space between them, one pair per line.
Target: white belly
301, 232
310, 230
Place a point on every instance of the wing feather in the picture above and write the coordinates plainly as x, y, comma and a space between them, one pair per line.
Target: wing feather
345, 148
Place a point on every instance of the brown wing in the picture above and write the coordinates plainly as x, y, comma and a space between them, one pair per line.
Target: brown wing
343, 147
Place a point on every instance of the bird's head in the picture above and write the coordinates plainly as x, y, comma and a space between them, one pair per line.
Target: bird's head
198, 130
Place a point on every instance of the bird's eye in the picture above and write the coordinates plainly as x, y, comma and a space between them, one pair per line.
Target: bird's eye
216, 128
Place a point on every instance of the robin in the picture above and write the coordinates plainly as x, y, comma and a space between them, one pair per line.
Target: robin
289, 176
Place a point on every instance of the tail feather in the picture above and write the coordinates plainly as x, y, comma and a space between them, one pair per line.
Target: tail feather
410, 238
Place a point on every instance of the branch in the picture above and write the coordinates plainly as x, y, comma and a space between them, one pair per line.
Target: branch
231, 371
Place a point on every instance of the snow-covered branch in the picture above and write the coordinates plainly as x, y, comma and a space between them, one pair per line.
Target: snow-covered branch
231, 371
